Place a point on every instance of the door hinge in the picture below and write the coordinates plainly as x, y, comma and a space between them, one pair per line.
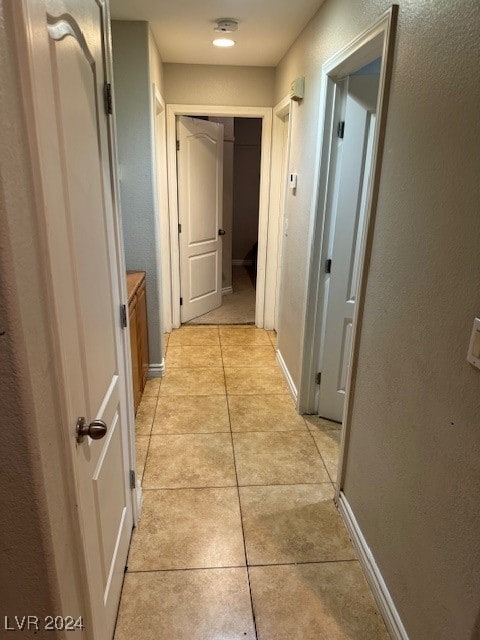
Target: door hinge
178, 145
318, 377
133, 479
107, 94
123, 316
328, 266
179, 228
341, 129
181, 301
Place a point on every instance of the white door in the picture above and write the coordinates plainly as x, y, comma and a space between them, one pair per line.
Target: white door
76, 172
348, 213
200, 204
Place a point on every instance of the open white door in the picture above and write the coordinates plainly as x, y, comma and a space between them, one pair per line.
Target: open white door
67, 48
200, 204
348, 215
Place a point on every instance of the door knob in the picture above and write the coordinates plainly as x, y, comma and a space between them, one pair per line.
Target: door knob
221, 232
95, 430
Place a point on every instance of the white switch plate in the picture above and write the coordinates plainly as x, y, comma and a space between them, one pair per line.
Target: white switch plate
293, 181
474, 349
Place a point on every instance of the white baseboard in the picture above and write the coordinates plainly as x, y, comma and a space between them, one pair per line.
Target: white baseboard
156, 370
291, 385
227, 290
377, 584
242, 263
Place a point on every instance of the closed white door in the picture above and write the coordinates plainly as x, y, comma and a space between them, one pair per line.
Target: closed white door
200, 204
77, 181
348, 214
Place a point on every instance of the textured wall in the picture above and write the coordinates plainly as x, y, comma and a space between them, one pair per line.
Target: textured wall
413, 470
219, 85
133, 105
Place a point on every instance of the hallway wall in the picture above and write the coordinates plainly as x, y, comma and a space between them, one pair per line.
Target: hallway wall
219, 85
136, 64
413, 471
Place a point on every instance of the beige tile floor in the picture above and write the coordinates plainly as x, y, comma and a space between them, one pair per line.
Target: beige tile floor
239, 535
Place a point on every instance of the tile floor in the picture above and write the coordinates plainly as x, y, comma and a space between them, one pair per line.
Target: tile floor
239, 536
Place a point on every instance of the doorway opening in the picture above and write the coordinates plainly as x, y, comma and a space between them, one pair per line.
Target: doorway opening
238, 230
201, 271
351, 159
355, 84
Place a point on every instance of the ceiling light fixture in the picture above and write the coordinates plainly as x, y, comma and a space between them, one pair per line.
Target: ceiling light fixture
223, 42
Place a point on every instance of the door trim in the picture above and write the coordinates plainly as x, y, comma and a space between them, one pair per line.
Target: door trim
376, 41
278, 189
174, 110
159, 142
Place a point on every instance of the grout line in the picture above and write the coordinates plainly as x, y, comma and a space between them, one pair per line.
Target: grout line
243, 566
233, 566
149, 436
232, 486
149, 440
221, 486
301, 562
320, 454
240, 506
219, 433
193, 433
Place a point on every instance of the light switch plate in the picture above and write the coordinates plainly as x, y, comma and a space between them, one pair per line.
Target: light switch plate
474, 349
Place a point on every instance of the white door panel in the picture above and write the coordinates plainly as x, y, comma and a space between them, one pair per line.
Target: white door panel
92, 356
200, 202
347, 215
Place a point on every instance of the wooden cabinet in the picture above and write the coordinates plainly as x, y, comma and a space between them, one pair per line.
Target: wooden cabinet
137, 322
142, 334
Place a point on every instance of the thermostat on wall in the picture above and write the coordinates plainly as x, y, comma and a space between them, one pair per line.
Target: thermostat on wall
297, 89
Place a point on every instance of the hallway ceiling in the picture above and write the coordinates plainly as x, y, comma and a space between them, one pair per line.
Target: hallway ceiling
183, 29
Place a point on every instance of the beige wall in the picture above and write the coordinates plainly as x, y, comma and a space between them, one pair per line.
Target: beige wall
219, 85
413, 470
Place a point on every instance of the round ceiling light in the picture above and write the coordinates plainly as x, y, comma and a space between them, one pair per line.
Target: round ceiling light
223, 42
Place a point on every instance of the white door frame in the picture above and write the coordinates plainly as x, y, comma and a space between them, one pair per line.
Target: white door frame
376, 41
278, 187
159, 155
37, 88
174, 110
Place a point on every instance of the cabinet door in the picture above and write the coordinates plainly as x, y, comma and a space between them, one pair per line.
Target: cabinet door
142, 329
137, 393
